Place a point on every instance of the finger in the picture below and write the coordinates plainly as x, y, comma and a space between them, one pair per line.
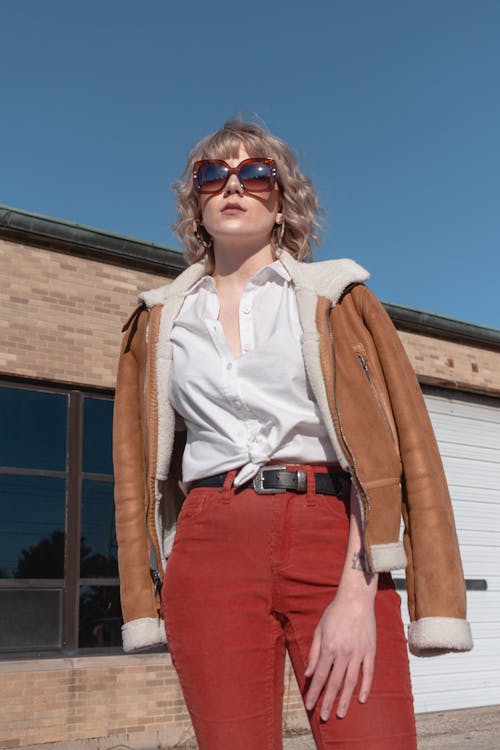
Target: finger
334, 684
368, 671
350, 681
313, 657
320, 676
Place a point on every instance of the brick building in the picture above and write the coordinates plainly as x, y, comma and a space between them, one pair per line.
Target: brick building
66, 291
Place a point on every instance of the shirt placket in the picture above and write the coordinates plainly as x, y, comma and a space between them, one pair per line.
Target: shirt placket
229, 379
235, 390
247, 343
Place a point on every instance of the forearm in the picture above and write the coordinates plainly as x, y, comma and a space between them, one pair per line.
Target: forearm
344, 641
356, 582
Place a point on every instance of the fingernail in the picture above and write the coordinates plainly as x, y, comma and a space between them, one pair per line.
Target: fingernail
341, 712
363, 697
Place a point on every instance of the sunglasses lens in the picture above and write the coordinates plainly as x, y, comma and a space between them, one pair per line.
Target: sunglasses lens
210, 177
256, 177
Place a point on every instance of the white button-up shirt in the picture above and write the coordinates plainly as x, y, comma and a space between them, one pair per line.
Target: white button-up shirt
242, 412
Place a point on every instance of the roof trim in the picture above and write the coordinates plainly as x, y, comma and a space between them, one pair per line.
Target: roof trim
439, 326
89, 242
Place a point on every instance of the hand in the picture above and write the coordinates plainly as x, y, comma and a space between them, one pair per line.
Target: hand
345, 637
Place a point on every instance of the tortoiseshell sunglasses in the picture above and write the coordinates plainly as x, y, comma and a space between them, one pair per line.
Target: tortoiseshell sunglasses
255, 175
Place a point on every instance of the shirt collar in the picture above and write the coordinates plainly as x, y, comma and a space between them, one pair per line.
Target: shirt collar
276, 268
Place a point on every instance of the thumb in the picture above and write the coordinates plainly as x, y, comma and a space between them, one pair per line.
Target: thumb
313, 655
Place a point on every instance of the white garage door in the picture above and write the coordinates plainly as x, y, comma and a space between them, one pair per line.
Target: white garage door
468, 431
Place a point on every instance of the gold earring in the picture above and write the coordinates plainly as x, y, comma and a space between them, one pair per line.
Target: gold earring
281, 232
201, 234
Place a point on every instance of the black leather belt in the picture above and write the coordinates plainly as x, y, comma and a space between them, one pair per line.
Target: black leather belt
274, 479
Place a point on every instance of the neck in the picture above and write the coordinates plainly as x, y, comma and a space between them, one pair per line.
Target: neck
237, 264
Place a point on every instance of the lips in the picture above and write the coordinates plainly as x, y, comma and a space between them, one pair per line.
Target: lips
232, 208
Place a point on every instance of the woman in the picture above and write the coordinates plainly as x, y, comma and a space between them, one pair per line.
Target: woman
277, 393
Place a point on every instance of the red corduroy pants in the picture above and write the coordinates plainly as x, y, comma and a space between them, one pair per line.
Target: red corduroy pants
248, 578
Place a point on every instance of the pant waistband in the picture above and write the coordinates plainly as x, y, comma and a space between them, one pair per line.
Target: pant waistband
272, 479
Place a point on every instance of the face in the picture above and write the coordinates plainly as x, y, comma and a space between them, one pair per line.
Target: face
235, 215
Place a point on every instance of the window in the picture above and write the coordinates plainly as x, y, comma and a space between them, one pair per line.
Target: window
99, 596
59, 587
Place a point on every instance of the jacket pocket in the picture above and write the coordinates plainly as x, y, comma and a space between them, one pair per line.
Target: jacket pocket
362, 359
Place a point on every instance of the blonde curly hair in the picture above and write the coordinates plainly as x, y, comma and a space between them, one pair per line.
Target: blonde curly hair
300, 206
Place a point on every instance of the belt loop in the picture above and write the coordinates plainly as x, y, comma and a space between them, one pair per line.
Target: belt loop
311, 486
227, 487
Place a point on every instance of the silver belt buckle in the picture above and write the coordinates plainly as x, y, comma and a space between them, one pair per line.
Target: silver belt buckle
301, 480
258, 480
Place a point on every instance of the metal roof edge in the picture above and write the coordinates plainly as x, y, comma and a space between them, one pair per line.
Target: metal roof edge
100, 244
440, 326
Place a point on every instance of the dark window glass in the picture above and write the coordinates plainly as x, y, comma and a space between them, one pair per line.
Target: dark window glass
100, 616
32, 526
97, 428
98, 547
30, 618
33, 433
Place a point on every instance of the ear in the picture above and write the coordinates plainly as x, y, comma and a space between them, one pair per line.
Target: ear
279, 218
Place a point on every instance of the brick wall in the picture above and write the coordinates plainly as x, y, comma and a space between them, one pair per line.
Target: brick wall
131, 699
61, 315
452, 364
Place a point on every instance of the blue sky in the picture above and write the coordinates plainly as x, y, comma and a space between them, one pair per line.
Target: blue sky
392, 107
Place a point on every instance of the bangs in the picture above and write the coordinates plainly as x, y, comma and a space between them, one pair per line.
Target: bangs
225, 144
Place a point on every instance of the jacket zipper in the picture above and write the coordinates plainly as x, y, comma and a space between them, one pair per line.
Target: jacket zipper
364, 365
144, 394
365, 511
157, 580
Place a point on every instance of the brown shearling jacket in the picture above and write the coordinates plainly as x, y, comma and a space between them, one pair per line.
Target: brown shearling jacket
376, 419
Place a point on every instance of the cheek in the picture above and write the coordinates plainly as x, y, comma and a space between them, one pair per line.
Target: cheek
206, 208
274, 202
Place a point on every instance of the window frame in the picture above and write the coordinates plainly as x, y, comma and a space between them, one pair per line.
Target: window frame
74, 476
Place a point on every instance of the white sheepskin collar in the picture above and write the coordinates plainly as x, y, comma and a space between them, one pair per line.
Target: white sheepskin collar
328, 278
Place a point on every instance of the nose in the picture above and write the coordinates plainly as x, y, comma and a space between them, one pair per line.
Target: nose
233, 185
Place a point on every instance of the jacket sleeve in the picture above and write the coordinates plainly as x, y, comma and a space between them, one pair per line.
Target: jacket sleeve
435, 581
140, 605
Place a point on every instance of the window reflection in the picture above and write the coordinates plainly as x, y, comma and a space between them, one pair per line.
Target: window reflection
32, 524
35, 486
100, 616
30, 618
99, 547
97, 428
33, 433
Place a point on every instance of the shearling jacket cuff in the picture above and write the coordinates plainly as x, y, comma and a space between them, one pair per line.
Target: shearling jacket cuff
433, 635
388, 557
143, 633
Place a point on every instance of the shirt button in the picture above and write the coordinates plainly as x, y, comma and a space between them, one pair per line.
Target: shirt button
229, 365
246, 310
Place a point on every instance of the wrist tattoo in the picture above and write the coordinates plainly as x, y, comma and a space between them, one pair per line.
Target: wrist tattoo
359, 561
